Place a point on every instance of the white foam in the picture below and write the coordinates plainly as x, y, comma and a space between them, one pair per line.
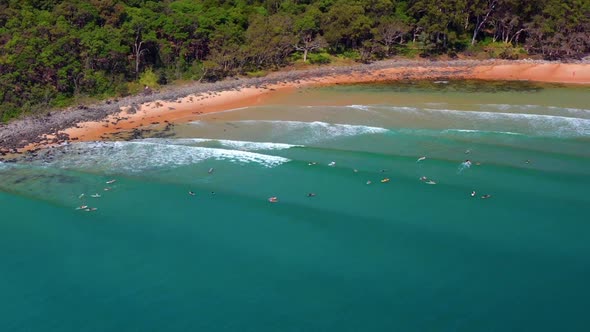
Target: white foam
359, 107
308, 132
403, 108
335, 129
237, 145
573, 111
138, 156
529, 107
474, 131
542, 124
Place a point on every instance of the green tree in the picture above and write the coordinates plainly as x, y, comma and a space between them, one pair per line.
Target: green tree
346, 24
307, 32
140, 34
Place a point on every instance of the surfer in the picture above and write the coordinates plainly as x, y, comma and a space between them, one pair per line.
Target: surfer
423, 178
273, 199
385, 180
420, 159
355, 170
473, 193
111, 181
107, 189
430, 182
311, 195
95, 195
332, 164
211, 170
311, 163
486, 196
369, 182
82, 207
81, 196
191, 193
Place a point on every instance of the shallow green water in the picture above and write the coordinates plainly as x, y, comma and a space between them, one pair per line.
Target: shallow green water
397, 256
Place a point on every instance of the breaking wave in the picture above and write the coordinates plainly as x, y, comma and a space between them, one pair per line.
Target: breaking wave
224, 143
480, 132
301, 132
551, 125
138, 156
359, 107
534, 124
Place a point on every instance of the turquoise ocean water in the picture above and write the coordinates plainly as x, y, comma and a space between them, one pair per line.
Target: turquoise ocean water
402, 255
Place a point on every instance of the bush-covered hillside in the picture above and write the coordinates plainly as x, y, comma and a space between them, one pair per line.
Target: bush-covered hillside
52, 51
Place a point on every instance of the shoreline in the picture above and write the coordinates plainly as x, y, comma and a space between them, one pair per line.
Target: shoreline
133, 115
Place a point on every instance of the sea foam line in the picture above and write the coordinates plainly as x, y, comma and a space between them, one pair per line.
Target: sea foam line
359, 107
575, 112
301, 132
138, 156
542, 124
335, 128
474, 131
232, 144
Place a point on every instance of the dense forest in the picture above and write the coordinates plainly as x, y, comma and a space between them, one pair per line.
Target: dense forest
54, 52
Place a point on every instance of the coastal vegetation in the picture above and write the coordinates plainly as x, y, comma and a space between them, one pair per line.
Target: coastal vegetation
54, 53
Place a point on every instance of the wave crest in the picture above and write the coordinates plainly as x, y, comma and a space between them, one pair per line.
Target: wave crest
231, 144
139, 156
301, 132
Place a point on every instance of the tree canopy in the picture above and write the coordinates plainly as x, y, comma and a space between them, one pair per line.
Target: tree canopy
53, 51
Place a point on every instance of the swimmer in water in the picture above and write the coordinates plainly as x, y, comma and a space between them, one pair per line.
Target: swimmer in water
473, 193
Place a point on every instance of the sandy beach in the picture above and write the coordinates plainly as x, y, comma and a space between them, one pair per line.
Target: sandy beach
156, 113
